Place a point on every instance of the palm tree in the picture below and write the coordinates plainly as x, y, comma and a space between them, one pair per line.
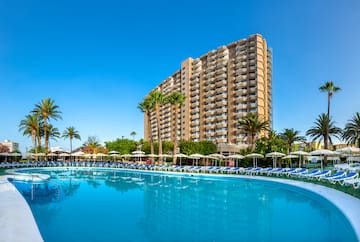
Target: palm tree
323, 130
176, 99
46, 110
351, 132
147, 107
291, 136
158, 99
71, 133
92, 145
31, 127
133, 134
330, 88
52, 132
252, 125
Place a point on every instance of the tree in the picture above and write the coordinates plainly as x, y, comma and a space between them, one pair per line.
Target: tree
351, 132
71, 133
46, 110
158, 99
124, 146
291, 136
176, 99
147, 107
52, 132
203, 147
253, 125
323, 130
330, 88
92, 145
133, 134
31, 127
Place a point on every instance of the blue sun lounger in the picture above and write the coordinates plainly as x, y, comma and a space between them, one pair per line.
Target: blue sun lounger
351, 175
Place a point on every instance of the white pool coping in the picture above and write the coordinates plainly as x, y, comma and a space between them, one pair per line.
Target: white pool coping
18, 224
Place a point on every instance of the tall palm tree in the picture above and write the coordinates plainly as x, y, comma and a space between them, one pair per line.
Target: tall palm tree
31, 127
176, 99
133, 134
147, 107
323, 130
253, 125
351, 132
158, 99
330, 88
71, 133
46, 110
52, 132
291, 136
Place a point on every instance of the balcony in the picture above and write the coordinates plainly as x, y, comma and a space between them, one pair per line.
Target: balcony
221, 90
220, 77
220, 96
221, 83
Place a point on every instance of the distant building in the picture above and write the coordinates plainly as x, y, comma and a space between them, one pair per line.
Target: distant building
12, 146
221, 87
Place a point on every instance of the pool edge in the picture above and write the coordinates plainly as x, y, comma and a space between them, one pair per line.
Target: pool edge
17, 220
348, 205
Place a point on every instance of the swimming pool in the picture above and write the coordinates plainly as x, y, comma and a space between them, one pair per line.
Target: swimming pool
119, 205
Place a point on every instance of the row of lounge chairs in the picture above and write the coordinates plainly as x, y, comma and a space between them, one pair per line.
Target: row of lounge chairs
342, 177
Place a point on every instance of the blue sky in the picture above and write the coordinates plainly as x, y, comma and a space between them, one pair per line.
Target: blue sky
98, 59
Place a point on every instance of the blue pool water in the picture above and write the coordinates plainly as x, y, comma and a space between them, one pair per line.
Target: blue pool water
118, 205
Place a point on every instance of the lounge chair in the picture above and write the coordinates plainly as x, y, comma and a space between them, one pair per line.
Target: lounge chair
337, 174
354, 182
324, 173
310, 173
275, 171
297, 172
254, 171
341, 180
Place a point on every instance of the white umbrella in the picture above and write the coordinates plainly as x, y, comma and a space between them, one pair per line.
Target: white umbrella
180, 155
323, 152
78, 153
15, 154
300, 153
236, 157
64, 154
101, 155
196, 157
349, 150
113, 152
275, 155
52, 154
216, 157
290, 157
138, 152
255, 156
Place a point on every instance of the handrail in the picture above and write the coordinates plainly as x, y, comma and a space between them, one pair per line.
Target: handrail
37, 182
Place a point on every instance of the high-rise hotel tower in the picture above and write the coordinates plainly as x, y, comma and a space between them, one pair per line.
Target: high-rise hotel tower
221, 87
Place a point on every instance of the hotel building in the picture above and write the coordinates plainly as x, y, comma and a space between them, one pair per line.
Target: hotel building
221, 87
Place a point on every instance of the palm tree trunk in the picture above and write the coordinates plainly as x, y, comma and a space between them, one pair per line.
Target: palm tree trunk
70, 147
38, 143
174, 134
328, 108
326, 145
252, 141
158, 129
45, 136
151, 140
